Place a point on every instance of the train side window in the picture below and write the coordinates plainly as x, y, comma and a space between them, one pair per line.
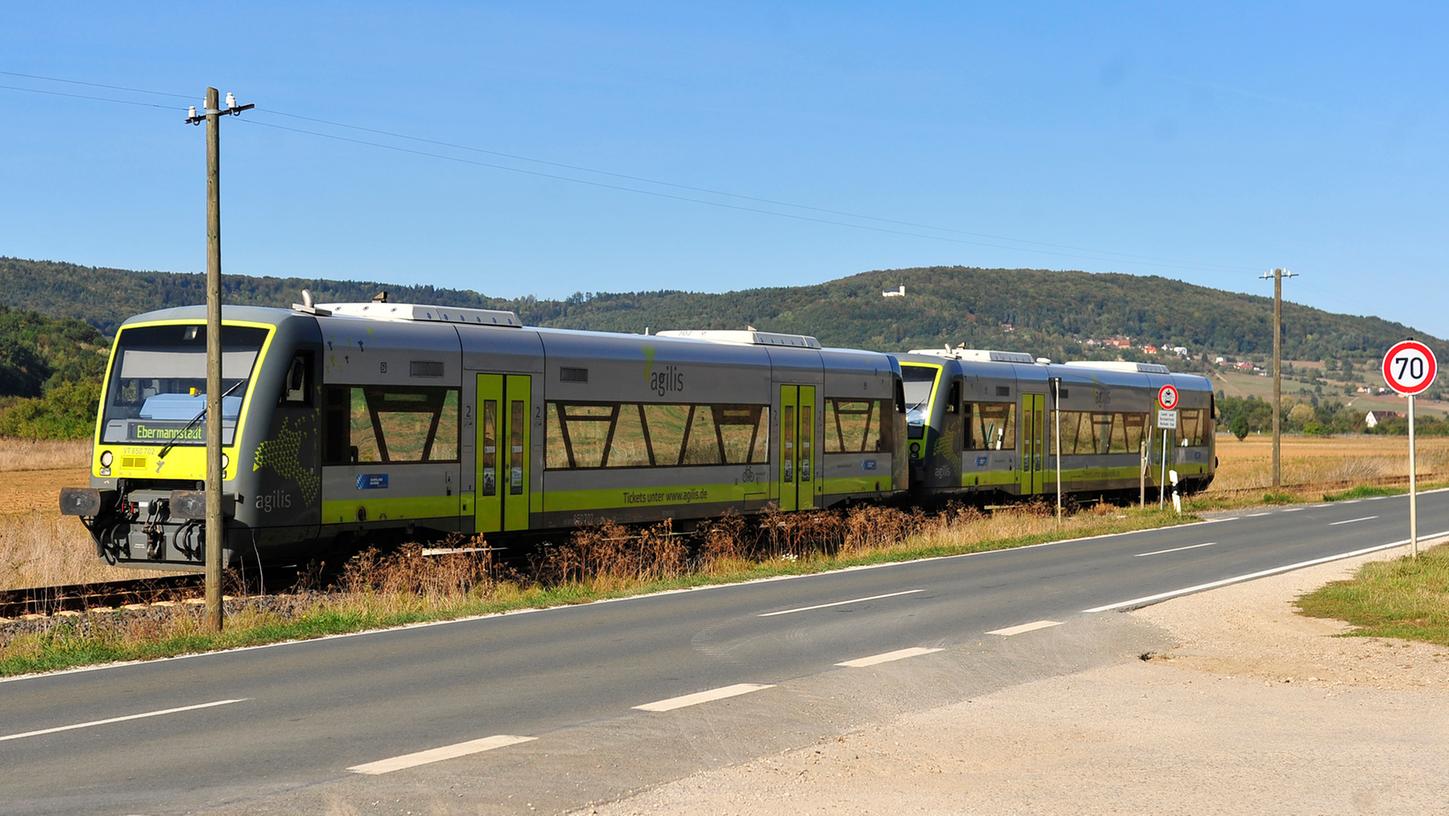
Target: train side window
297, 390
953, 403
993, 426
851, 426
370, 424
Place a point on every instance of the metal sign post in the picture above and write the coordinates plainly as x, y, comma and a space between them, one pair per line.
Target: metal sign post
1057, 438
1409, 368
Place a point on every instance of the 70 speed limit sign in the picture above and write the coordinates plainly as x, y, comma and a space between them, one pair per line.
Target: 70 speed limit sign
1409, 368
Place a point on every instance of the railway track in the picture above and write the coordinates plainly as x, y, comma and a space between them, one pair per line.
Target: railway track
49, 600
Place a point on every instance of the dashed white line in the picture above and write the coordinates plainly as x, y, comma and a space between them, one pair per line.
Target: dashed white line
1174, 549
1350, 521
886, 657
686, 700
461, 749
1024, 628
110, 720
1162, 596
838, 603
1256, 515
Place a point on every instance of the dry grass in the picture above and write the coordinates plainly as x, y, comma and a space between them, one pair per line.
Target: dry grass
40, 548
29, 454
1317, 460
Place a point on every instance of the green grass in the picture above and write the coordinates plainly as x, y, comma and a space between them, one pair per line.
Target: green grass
1365, 492
68, 645
1406, 598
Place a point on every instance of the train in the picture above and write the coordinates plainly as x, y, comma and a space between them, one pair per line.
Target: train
344, 423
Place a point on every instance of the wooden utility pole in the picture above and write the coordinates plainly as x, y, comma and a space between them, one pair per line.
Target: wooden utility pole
214, 535
1278, 274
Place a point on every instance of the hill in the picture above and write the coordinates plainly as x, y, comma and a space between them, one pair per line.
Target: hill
1047, 313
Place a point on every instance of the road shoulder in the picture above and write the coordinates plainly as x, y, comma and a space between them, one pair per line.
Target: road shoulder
1254, 708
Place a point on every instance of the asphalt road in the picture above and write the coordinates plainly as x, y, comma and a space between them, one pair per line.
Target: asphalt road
474, 709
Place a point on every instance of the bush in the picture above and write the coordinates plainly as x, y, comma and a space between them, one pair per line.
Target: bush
65, 411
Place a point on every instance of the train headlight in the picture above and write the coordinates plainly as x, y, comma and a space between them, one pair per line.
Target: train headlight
225, 463
106, 459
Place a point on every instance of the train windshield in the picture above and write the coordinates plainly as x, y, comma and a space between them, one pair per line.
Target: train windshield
157, 392
919, 382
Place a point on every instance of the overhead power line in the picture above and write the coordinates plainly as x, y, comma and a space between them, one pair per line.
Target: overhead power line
1030, 245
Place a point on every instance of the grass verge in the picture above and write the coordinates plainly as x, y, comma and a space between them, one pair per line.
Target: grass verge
404, 588
1406, 598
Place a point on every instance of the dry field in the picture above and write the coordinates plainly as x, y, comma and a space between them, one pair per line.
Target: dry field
1325, 460
38, 547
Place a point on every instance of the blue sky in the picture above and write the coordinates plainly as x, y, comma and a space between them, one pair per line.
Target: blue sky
1206, 142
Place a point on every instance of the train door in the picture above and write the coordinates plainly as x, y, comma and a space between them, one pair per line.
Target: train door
1033, 442
505, 408
798, 482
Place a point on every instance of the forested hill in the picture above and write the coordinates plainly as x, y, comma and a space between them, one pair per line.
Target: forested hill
1043, 312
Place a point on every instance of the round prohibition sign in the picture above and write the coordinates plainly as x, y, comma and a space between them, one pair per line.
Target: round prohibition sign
1167, 397
1409, 367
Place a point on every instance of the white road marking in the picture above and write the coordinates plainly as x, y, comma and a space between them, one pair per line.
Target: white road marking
144, 715
1325, 504
1162, 596
1350, 521
1229, 518
1291, 509
1351, 501
721, 693
1173, 550
1377, 498
461, 749
839, 603
1024, 628
886, 657
1256, 515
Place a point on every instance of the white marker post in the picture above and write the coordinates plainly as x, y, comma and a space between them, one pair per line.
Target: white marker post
1409, 368
1166, 420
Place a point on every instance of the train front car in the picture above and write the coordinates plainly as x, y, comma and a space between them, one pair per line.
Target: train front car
145, 504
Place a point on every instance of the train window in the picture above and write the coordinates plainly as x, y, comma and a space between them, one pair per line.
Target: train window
629, 445
953, 403
739, 431
992, 425
584, 433
489, 455
702, 444
515, 448
666, 424
1136, 427
297, 390
852, 426
391, 425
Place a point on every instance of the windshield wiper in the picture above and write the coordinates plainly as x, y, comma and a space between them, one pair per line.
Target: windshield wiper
188, 426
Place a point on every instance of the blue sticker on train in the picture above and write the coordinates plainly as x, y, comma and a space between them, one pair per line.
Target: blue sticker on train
372, 481
870, 464
981, 461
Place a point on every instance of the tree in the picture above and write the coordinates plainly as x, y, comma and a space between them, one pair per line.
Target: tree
1239, 426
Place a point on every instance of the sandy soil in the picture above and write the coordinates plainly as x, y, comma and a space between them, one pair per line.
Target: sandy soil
25, 491
1256, 710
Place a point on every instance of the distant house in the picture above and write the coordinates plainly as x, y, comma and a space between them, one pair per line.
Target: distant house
1118, 342
900, 292
1243, 365
1180, 351
1219, 360
1149, 349
1373, 418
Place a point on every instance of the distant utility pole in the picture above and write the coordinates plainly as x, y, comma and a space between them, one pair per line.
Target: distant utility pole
215, 529
1278, 274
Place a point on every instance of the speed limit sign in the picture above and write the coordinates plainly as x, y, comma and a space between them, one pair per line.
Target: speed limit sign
1167, 397
1410, 367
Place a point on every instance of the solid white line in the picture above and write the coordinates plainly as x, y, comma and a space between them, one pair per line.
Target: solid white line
119, 719
1162, 596
838, 603
476, 746
1174, 549
1024, 628
1377, 498
1325, 504
1229, 518
886, 657
1291, 509
702, 697
1256, 515
1351, 501
1350, 521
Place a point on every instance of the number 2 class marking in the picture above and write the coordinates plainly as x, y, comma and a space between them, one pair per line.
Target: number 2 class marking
1409, 367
